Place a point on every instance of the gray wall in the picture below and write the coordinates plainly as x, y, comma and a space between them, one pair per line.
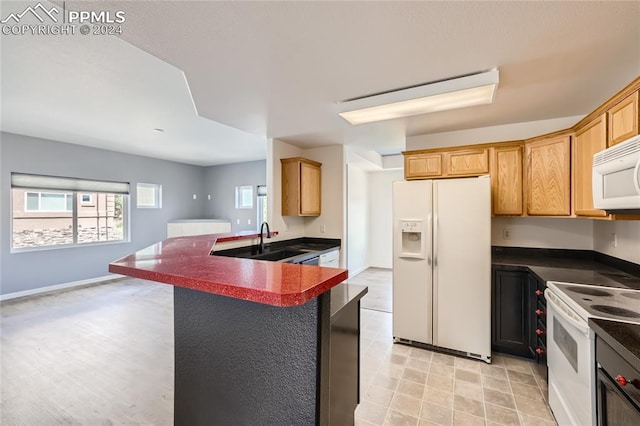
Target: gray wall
29, 270
220, 182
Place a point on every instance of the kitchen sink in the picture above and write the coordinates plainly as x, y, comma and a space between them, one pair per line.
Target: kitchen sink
278, 255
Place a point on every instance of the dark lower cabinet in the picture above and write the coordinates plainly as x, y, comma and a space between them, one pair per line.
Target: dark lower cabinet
618, 388
511, 315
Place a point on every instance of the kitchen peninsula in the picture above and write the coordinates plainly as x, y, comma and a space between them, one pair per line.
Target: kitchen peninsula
255, 341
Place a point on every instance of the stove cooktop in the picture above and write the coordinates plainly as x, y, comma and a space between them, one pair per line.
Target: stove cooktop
601, 302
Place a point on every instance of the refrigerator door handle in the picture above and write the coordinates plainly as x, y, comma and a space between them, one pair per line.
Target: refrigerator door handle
428, 250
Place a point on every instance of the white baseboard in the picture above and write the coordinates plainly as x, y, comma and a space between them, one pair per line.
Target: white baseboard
62, 286
357, 271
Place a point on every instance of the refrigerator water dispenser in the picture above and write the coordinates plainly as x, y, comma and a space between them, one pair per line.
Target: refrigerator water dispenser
412, 239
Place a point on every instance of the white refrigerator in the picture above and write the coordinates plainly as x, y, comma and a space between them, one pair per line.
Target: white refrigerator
442, 264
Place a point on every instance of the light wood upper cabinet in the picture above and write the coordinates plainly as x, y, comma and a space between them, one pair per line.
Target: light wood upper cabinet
549, 176
470, 162
623, 119
590, 139
421, 166
301, 187
506, 181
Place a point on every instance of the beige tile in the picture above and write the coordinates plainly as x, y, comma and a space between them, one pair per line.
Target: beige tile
499, 398
391, 370
401, 349
495, 384
466, 389
414, 375
531, 392
529, 420
395, 418
497, 359
413, 389
438, 397
518, 364
501, 415
385, 381
397, 359
436, 414
378, 395
418, 364
468, 364
535, 408
445, 359
358, 422
463, 419
442, 370
467, 376
371, 412
421, 354
468, 405
440, 382
406, 404
493, 371
426, 423
516, 377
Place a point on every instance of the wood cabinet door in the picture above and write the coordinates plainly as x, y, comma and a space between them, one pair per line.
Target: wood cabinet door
507, 181
549, 177
290, 188
421, 166
310, 181
623, 119
510, 317
470, 162
589, 140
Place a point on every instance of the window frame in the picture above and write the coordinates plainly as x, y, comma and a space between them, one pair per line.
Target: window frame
108, 187
240, 195
157, 195
40, 209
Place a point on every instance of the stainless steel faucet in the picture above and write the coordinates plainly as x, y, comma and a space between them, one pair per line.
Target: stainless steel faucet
261, 248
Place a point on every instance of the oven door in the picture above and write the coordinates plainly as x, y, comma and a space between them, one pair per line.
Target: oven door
571, 362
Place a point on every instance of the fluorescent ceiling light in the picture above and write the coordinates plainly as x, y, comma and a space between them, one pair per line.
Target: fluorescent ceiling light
477, 89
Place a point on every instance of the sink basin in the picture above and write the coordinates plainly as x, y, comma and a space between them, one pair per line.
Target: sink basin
278, 255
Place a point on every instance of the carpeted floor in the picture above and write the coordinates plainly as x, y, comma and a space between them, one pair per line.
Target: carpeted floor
379, 281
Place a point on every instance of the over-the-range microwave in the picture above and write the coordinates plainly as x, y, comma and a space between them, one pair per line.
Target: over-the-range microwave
616, 177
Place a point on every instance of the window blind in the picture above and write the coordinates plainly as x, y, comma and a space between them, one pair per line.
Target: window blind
22, 180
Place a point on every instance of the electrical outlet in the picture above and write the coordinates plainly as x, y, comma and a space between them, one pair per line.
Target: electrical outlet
209, 197
248, 221
237, 221
323, 229
614, 239
195, 196
506, 234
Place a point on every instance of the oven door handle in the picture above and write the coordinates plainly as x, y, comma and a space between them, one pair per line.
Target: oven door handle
565, 312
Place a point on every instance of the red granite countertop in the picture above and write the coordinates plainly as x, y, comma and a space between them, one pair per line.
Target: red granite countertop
185, 262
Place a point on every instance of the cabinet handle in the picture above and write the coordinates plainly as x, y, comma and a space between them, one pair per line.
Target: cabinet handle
539, 312
538, 293
539, 332
539, 351
621, 380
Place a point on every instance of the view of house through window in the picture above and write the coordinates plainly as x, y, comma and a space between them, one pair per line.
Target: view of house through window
44, 217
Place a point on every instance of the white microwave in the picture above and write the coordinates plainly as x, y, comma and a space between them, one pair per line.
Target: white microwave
616, 177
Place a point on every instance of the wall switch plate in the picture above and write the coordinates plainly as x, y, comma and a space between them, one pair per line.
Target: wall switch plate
195, 196
237, 221
614, 239
248, 221
209, 197
323, 229
506, 234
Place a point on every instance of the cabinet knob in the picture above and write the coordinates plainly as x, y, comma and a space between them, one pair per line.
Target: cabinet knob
538, 292
539, 332
621, 380
539, 351
539, 312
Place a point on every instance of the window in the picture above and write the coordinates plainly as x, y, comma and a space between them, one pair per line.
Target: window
48, 202
148, 196
244, 197
52, 211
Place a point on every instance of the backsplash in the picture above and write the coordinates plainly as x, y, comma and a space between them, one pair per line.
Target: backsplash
627, 244
542, 232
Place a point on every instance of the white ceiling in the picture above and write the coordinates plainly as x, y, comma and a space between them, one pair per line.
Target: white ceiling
260, 70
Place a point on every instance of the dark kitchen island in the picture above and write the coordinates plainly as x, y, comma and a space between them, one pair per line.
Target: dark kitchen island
256, 342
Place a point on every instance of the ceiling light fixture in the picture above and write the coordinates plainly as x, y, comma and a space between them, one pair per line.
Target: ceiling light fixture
475, 89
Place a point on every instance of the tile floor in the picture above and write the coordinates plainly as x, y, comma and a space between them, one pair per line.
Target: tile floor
401, 385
